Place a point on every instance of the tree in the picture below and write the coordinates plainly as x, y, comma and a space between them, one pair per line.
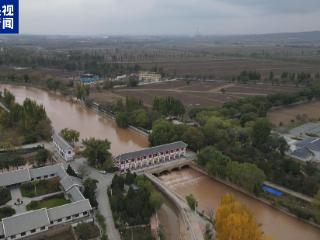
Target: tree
156, 200
277, 143
71, 172
90, 187
133, 81
246, 175
8, 98
163, 132
216, 131
234, 222
42, 156
192, 202
194, 138
139, 118
29, 119
168, 106
97, 151
260, 132
5, 195
82, 92
271, 76
316, 205
122, 120
85, 231
54, 84
213, 161
70, 135
209, 233
26, 78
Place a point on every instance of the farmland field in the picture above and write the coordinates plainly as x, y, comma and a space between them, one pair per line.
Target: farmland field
227, 66
309, 111
194, 93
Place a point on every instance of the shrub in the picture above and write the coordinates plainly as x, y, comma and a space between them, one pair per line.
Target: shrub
102, 222
6, 212
5, 195
87, 231
33, 205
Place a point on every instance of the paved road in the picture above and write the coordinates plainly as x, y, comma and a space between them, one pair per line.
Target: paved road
102, 196
190, 220
15, 194
290, 192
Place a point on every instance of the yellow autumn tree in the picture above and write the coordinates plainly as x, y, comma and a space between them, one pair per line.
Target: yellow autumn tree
234, 222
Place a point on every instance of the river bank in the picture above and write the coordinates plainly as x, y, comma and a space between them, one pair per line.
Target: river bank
208, 192
262, 200
69, 114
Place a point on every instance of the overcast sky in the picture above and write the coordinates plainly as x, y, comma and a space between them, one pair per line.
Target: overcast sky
136, 17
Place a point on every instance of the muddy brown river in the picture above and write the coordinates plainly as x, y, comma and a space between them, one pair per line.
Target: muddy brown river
65, 114
208, 192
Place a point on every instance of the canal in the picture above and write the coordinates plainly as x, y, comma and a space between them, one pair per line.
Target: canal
208, 192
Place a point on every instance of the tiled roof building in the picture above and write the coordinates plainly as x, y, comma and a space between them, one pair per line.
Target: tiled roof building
150, 156
32, 222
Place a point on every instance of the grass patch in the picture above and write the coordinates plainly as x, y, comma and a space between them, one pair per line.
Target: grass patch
298, 207
40, 187
6, 212
48, 202
5, 195
136, 233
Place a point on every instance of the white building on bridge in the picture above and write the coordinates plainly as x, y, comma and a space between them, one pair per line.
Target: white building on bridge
150, 156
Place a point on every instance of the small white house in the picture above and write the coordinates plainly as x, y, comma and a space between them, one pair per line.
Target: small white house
64, 149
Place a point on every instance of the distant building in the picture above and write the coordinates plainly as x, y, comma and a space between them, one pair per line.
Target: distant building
307, 149
89, 78
150, 156
64, 148
121, 78
149, 77
308, 129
